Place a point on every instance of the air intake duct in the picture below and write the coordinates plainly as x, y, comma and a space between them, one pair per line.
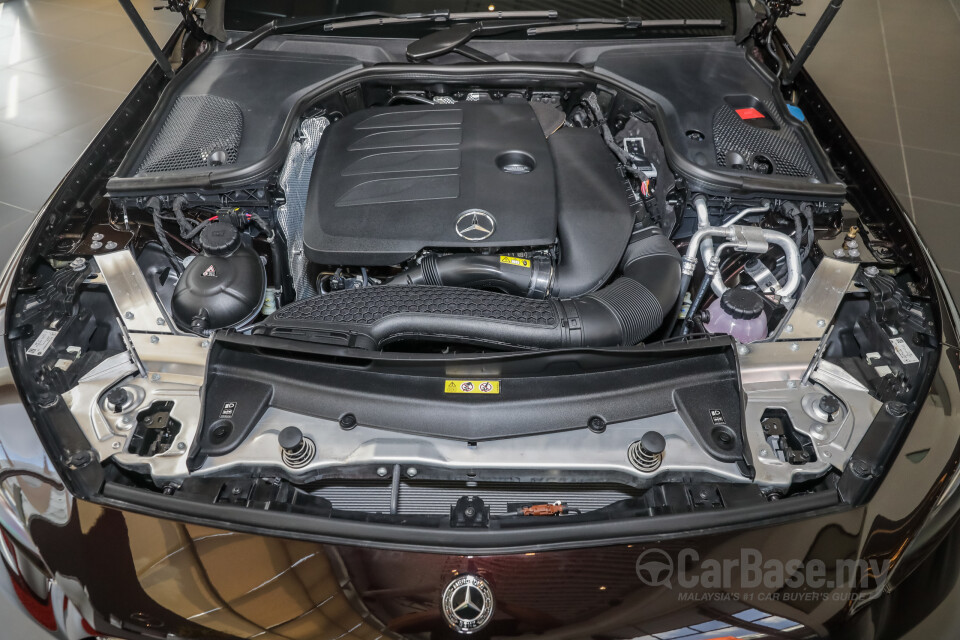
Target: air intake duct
622, 313
528, 277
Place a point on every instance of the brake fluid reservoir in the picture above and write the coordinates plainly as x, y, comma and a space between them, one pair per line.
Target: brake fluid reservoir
738, 313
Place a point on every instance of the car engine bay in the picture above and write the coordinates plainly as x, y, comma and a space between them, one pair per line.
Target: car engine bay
473, 301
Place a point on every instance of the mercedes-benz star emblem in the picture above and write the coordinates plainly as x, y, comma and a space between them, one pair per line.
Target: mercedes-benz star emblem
476, 225
468, 603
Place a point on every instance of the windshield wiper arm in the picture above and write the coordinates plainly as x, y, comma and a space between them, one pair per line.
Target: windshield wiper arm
454, 38
452, 17
374, 18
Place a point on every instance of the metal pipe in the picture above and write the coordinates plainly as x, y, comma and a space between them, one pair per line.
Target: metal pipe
792, 253
738, 235
706, 248
749, 211
702, 291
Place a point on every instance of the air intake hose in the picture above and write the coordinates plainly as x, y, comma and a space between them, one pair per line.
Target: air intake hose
622, 313
531, 278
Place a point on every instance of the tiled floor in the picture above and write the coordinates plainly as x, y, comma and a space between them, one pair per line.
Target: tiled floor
65, 66
888, 66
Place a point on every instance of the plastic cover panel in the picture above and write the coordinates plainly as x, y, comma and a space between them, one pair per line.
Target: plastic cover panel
366, 306
196, 128
691, 82
781, 146
391, 181
266, 86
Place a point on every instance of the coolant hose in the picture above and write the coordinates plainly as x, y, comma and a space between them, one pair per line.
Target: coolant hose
623, 313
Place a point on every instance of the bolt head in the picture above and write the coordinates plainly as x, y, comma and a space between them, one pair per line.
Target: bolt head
788, 328
382, 471
818, 428
821, 323
743, 349
896, 408
826, 454
764, 452
871, 271
96, 245
128, 315
155, 377
411, 472
791, 384
116, 445
205, 344
97, 236
110, 246
794, 346
161, 322
829, 405
154, 339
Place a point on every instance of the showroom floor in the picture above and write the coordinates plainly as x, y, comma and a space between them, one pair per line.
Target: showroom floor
888, 66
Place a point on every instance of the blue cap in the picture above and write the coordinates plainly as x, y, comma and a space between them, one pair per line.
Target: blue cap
796, 112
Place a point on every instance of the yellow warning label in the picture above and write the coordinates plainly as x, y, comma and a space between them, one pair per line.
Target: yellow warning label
472, 386
520, 262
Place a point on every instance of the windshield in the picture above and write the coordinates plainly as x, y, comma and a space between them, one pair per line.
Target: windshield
247, 15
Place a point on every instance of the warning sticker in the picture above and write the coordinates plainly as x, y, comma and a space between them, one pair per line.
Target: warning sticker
228, 410
471, 386
903, 351
519, 262
42, 343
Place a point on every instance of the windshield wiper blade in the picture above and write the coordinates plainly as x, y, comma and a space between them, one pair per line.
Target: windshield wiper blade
454, 38
292, 25
375, 18
622, 23
452, 17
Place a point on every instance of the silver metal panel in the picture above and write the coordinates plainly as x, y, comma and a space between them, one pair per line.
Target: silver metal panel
139, 308
176, 369
819, 301
775, 375
574, 450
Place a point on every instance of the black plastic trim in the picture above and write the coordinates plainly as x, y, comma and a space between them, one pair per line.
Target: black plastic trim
479, 541
523, 71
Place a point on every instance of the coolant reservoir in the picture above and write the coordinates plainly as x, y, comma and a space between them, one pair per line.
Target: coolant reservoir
222, 287
738, 313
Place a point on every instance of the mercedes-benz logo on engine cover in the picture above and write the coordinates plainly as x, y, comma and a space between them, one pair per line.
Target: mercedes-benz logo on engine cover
476, 225
468, 603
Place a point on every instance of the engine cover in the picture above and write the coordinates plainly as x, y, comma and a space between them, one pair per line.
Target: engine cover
388, 182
